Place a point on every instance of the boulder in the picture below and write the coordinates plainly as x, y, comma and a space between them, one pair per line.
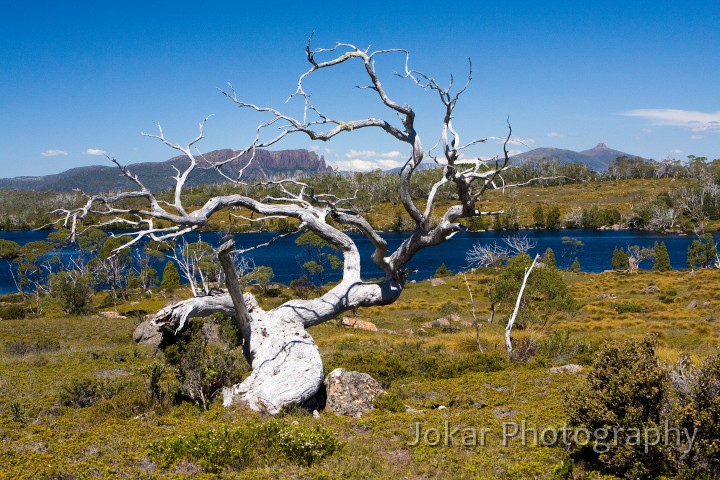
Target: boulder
569, 368
147, 333
692, 304
436, 282
350, 393
650, 289
439, 323
359, 323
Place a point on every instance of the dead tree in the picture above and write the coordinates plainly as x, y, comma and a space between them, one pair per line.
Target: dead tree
286, 364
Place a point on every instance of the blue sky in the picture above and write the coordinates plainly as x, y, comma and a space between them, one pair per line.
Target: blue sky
81, 78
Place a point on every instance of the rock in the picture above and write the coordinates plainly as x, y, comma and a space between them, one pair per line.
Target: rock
436, 282
147, 334
607, 295
569, 368
443, 322
692, 304
112, 314
359, 323
439, 323
211, 332
650, 289
705, 304
350, 393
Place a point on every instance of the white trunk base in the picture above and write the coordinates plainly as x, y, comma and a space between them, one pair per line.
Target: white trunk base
286, 366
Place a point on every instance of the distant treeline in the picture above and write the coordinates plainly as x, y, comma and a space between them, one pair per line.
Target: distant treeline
685, 207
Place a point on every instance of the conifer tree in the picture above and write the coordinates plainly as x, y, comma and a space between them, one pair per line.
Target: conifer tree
171, 276
619, 259
549, 258
575, 267
661, 261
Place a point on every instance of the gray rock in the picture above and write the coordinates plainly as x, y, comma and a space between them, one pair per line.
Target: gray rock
436, 282
650, 289
147, 334
453, 318
350, 393
569, 368
692, 304
439, 323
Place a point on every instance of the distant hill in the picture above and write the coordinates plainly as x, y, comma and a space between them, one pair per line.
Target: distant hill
597, 158
157, 175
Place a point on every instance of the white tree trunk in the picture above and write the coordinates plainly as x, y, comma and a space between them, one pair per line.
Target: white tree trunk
511, 322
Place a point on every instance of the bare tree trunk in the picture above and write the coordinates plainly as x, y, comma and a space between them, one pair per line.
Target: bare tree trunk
286, 363
511, 322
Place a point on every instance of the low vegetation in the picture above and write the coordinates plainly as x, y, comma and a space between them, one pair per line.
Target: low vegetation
79, 399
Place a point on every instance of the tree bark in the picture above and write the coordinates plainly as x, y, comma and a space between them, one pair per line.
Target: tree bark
511, 321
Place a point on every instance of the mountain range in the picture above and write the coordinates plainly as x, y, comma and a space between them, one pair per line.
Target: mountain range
267, 165
598, 158
157, 176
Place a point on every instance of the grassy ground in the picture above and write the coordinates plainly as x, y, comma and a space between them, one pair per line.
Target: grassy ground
42, 359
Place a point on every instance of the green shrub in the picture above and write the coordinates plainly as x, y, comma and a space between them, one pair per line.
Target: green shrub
559, 346
387, 363
697, 406
546, 292
85, 393
442, 271
623, 391
202, 368
12, 312
627, 307
255, 444
389, 402
74, 288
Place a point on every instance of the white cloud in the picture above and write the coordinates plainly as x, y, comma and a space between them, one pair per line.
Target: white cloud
372, 154
647, 130
521, 141
555, 134
677, 151
95, 151
360, 153
356, 165
363, 165
313, 148
695, 121
696, 137
53, 153
388, 163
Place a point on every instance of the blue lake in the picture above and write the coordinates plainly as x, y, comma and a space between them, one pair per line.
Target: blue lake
286, 259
